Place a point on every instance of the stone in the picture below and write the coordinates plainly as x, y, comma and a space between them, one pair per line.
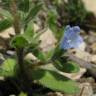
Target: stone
48, 40
30, 56
94, 87
90, 5
6, 34
12, 95
5, 38
86, 89
1, 58
4, 43
82, 55
11, 53
85, 56
90, 80
93, 59
59, 94
93, 48
56, 94
94, 95
2, 79
82, 46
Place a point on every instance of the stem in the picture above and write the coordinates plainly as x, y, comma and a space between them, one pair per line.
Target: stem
20, 59
16, 17
16, 23
25, 81
23, 77
19, 51
17, 28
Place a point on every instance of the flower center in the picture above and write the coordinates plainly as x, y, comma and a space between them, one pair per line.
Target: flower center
69, 41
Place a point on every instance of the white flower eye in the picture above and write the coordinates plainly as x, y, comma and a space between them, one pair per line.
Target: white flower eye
69, 41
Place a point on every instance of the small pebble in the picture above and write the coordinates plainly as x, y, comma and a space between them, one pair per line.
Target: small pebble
10, 53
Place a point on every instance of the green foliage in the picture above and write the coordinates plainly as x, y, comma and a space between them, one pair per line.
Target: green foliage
4, 24
55, 81
33, 12
28, 41
29, 32
7, 69
23, 94
24, 5
30, 35
5, 3
76, 11
19, 42
5, 14
7, 20
41, 56
53, 24
58, 53
68, 67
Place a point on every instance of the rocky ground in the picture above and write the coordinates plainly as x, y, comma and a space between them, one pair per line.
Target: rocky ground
85, 57
85, 78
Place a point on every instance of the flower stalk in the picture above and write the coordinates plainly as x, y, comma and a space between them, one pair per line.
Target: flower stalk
16, 17
19, 51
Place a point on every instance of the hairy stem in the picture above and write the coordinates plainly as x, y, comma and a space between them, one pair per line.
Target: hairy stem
16, 17
20, 59
22, 71
17, 28
19, 51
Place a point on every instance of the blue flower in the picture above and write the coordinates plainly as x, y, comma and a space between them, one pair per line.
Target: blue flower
71, 38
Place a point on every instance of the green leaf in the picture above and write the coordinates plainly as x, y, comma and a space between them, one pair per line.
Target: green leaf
33, 12
44, 56
24, 5
6, 14
4, 24
55, 81
52, 18
31, 36
7, 69
57, 53
39, 54
68, 67
23, 94
29, 32
53, 25
19, 42
75, 66
6, 3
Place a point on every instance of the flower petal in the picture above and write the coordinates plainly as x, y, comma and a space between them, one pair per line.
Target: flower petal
76, 43
76, 29
71, 38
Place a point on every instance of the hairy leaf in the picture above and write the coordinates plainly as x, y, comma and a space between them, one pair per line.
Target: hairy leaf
19, 42
68, 67
29, 32
4, 24
8, 68
24, 5
23, 94
33, 12
5, 14
55, 81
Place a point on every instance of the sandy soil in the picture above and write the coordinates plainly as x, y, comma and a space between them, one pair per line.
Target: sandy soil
90, 5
